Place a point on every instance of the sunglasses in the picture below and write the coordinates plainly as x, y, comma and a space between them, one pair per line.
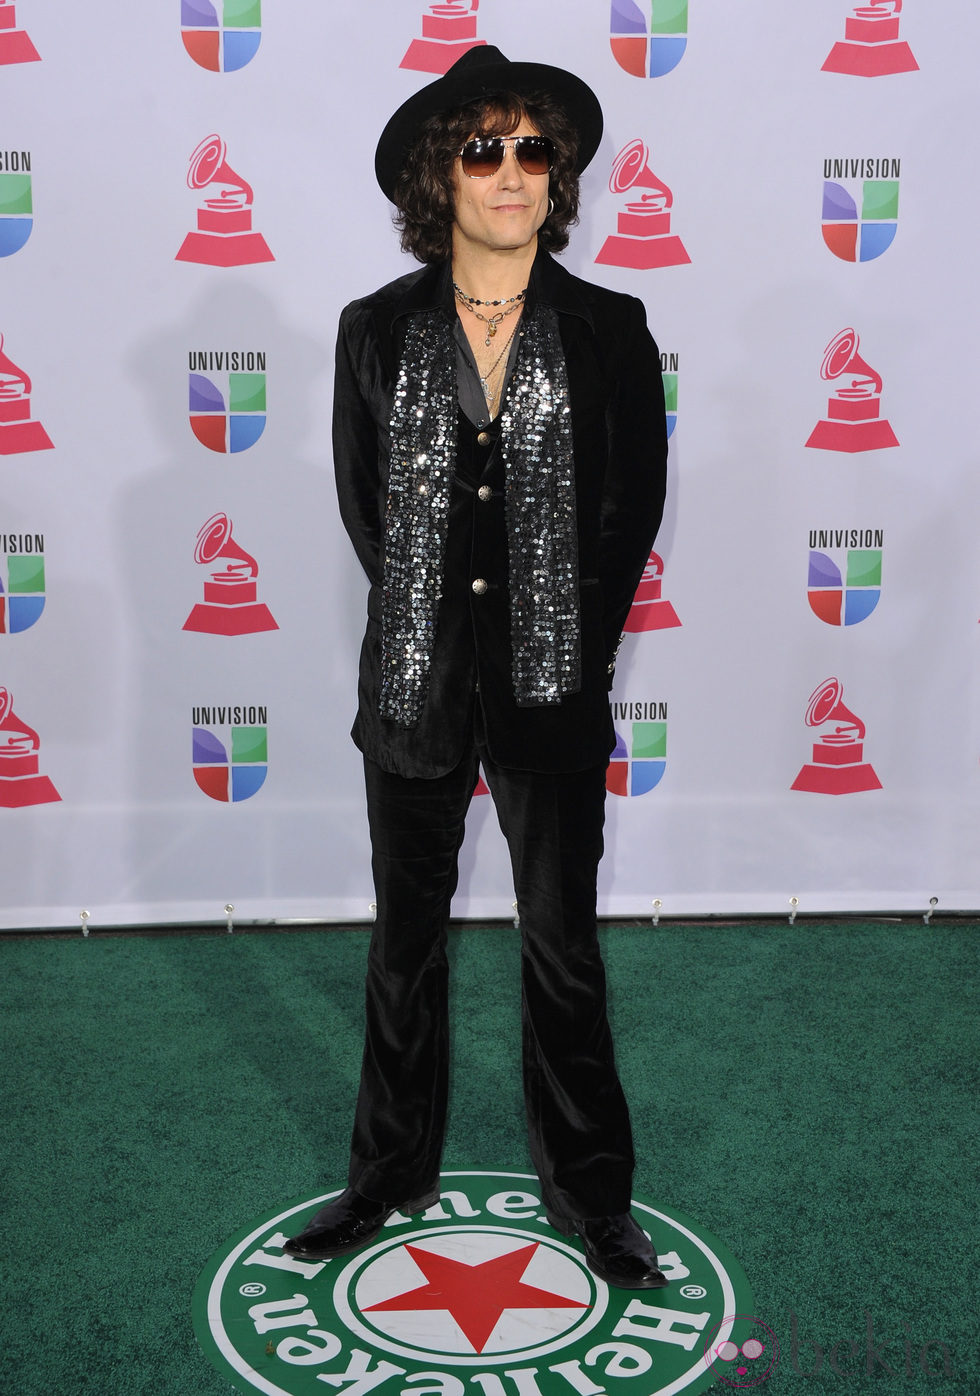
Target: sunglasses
484, 155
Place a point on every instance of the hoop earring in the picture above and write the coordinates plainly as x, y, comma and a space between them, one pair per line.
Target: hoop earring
551, 207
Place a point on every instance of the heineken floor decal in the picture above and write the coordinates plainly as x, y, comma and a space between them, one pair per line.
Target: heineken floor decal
478, 1295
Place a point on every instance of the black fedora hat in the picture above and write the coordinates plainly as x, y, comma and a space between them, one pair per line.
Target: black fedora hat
481, 72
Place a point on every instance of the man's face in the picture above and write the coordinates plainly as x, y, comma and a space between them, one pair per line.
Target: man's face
503, 211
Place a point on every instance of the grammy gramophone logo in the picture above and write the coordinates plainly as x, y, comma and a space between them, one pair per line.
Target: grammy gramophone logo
837, 766
853, 421
224, 235
651, 610
231, 605
871, 47
643, 238
18, 430
21, 782
15, 44
448, 31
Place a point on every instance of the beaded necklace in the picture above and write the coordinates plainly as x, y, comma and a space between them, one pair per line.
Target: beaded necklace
491, 321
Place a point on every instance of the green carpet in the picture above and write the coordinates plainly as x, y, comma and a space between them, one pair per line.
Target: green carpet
807, 1093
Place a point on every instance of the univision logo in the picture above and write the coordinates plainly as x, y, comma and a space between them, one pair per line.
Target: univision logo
16, 201
221, 35
22, 598
648, 40
639, 759
844, 588
232, 766
860, 207
669, 365
226, 406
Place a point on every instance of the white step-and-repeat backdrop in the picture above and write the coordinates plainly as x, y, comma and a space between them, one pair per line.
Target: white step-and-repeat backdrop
187, 200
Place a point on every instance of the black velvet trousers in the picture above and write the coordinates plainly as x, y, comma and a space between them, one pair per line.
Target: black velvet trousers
578, 1122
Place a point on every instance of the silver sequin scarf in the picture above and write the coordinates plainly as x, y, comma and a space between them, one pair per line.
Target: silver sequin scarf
536, 448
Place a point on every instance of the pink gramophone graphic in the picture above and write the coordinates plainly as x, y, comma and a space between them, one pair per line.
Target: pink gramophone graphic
838, 766
20, 781
853, 421
224, 236
871, 47
448, 31
650, 609
17, 431
230, 605
15, 44
643, 238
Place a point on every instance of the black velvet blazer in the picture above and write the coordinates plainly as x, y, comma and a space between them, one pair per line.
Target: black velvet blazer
620, 449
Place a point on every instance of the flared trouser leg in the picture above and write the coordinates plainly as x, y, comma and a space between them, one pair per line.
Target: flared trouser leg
416, 829
578, 1121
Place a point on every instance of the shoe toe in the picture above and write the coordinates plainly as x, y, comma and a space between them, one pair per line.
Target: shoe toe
343, 1224
349, 1221
618, 1252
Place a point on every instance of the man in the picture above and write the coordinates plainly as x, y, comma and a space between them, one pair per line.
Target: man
500, 449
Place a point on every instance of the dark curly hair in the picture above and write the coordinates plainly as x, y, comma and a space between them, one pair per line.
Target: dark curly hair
424, 194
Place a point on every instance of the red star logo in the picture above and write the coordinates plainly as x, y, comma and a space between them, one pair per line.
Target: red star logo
476, 1295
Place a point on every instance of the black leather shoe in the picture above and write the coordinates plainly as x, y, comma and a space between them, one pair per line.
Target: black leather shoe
615, 1249
349, 1221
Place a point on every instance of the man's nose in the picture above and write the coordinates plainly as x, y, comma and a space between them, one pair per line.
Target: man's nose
510, 167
